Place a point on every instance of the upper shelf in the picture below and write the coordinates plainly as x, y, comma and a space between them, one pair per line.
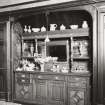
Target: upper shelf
57, 33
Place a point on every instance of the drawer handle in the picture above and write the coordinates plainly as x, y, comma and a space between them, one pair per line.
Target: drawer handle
83, 82
39, 76
23, 80
56, 77
77, 79
23, 75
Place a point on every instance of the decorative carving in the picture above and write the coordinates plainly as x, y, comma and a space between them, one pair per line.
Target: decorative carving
17, 28
17, 31
77, 98
23, 91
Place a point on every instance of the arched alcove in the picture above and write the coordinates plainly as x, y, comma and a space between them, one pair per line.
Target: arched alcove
67, 18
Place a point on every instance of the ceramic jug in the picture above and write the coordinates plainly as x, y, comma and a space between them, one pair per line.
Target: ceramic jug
53, 27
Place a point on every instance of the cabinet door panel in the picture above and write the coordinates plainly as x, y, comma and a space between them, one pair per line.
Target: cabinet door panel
76, 96
40, 91
23, 91
56, 93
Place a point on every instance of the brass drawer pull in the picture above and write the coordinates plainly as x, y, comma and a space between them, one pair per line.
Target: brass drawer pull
23, 80
56, 77
22, 75
39, 76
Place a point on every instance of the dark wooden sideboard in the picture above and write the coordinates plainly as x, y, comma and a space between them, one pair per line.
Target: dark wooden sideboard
65, 81
52, 88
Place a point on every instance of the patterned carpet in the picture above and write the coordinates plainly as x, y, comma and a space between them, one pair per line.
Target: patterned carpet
8, 103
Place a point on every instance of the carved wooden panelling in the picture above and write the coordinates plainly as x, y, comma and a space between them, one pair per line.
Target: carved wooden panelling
56, 93
46, 89
41, 91
17, 31
3, 46
24, 92
3, 61
76, 97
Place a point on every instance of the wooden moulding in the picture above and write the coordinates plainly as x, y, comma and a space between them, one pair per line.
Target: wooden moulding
57, 34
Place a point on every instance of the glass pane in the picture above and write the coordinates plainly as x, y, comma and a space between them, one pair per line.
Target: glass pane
2, 46
58, 51
3, 61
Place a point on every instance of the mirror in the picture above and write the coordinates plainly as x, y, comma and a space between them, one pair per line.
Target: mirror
57, 49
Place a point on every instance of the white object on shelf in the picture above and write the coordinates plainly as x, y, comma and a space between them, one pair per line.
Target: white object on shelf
42, 67
84, 24
35, 29
25, 28
29, 29
73, 26
53, 27
43, 29
62, 27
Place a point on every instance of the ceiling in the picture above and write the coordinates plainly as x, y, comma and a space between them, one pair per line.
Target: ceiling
14, 2
14, 5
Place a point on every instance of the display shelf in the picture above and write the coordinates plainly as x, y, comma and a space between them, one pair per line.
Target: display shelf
81, 58
80, 32
59, 70
85, 74
68, 33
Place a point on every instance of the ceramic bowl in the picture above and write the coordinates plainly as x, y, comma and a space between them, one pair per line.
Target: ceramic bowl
73, 26
35, 29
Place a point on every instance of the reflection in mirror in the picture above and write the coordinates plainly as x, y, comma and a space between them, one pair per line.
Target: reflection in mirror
54, 49
58, 51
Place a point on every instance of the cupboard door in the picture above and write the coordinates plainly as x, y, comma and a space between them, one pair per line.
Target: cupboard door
76, 96
56, 93
78, 91
23, 86
40, 91
23, 92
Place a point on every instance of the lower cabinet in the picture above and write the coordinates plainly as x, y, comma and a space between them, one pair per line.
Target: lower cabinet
52, 89
23, 87
78, 91
49, 89
56, 92
23, 92
76, 96
40, 91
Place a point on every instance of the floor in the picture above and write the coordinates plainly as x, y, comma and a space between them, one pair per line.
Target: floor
8, 103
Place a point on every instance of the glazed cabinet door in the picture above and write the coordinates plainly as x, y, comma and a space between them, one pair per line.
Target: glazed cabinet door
56, 92
40, 91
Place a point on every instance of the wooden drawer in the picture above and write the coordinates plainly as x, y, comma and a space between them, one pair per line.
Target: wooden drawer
79, 84
57, 77
50, 77
76, 79
23, 75
23, 80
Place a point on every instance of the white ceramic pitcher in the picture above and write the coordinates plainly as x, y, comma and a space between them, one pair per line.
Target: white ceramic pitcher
53, 27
